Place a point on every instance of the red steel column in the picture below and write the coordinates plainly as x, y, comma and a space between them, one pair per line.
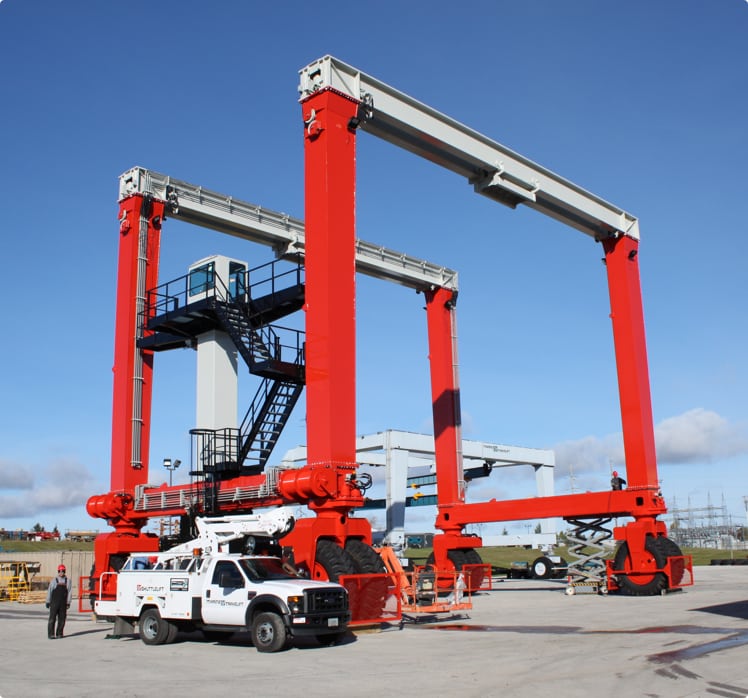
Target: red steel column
140, 237
445, 395
621, 258
330, 185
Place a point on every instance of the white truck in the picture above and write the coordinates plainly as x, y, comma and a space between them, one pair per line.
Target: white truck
227, 580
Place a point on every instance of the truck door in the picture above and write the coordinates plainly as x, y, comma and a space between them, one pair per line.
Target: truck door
225, 596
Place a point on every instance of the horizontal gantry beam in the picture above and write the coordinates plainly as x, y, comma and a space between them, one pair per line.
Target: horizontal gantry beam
493, 169
199, 206
375, 449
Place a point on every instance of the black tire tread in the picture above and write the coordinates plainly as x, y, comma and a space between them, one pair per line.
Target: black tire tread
279, 638
334, 559
629, 585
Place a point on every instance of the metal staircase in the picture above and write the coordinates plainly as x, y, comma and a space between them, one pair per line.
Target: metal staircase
261, 346
272, 352
264, 422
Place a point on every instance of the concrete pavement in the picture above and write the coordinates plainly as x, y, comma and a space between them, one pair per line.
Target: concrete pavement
524, 638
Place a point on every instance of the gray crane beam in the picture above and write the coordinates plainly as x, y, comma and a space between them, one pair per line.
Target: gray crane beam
195, 204
493, 169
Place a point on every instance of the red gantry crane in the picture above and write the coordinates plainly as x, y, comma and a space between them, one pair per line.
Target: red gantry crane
338, 100
229, 465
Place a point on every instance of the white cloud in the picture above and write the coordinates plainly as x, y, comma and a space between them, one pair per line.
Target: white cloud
64, 484
696, 436
15, 476
699, 436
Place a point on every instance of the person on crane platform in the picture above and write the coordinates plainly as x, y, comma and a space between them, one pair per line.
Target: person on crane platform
59, 596
616, 482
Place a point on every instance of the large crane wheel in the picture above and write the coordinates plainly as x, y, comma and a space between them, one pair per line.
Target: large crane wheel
370, 598
364, 557
460, 557
331, 561
635, 579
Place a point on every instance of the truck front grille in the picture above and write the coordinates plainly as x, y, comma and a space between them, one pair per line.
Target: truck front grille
326, 600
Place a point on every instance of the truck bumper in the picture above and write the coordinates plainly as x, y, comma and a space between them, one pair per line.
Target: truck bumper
318, 625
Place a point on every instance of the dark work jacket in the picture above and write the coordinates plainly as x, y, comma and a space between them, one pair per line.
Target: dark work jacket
57, 590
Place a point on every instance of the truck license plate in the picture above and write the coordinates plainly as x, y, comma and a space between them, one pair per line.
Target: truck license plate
332, 622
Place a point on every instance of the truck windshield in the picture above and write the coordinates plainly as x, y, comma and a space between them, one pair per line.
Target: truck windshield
259, 568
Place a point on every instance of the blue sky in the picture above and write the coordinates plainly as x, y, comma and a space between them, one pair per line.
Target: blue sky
642, 103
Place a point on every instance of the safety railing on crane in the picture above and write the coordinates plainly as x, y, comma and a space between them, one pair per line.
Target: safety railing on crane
258, 341
175, 294
153, 498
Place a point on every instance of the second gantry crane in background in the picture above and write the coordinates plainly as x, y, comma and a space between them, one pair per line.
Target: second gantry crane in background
337, 101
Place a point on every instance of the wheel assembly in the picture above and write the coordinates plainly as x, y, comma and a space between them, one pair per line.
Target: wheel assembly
368, 599
459, 558
644, 577
542, 568
268, 632
331, 561
154, 630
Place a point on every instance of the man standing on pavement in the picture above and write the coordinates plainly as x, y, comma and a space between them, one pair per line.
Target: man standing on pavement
59, 596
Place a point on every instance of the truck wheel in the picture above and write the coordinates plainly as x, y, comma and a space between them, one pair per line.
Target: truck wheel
562, 568
542, 568
268, 632
154, 630
332, 561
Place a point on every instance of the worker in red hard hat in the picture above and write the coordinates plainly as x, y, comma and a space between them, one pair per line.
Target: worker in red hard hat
616, 482
59, 596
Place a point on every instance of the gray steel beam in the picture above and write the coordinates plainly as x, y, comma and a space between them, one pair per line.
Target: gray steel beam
194, 204
493, 169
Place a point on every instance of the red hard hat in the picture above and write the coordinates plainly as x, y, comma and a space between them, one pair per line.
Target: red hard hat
615, 473
61, 568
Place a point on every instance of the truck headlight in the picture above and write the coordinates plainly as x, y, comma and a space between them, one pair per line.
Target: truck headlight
295, 604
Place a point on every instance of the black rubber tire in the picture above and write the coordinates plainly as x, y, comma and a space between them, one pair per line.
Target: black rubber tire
153, 629
172, 634
456, 557
334, 560
670, 549
542, 568
268, 632
562, 567
477, 575
445, 583
365, 558
629, 585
